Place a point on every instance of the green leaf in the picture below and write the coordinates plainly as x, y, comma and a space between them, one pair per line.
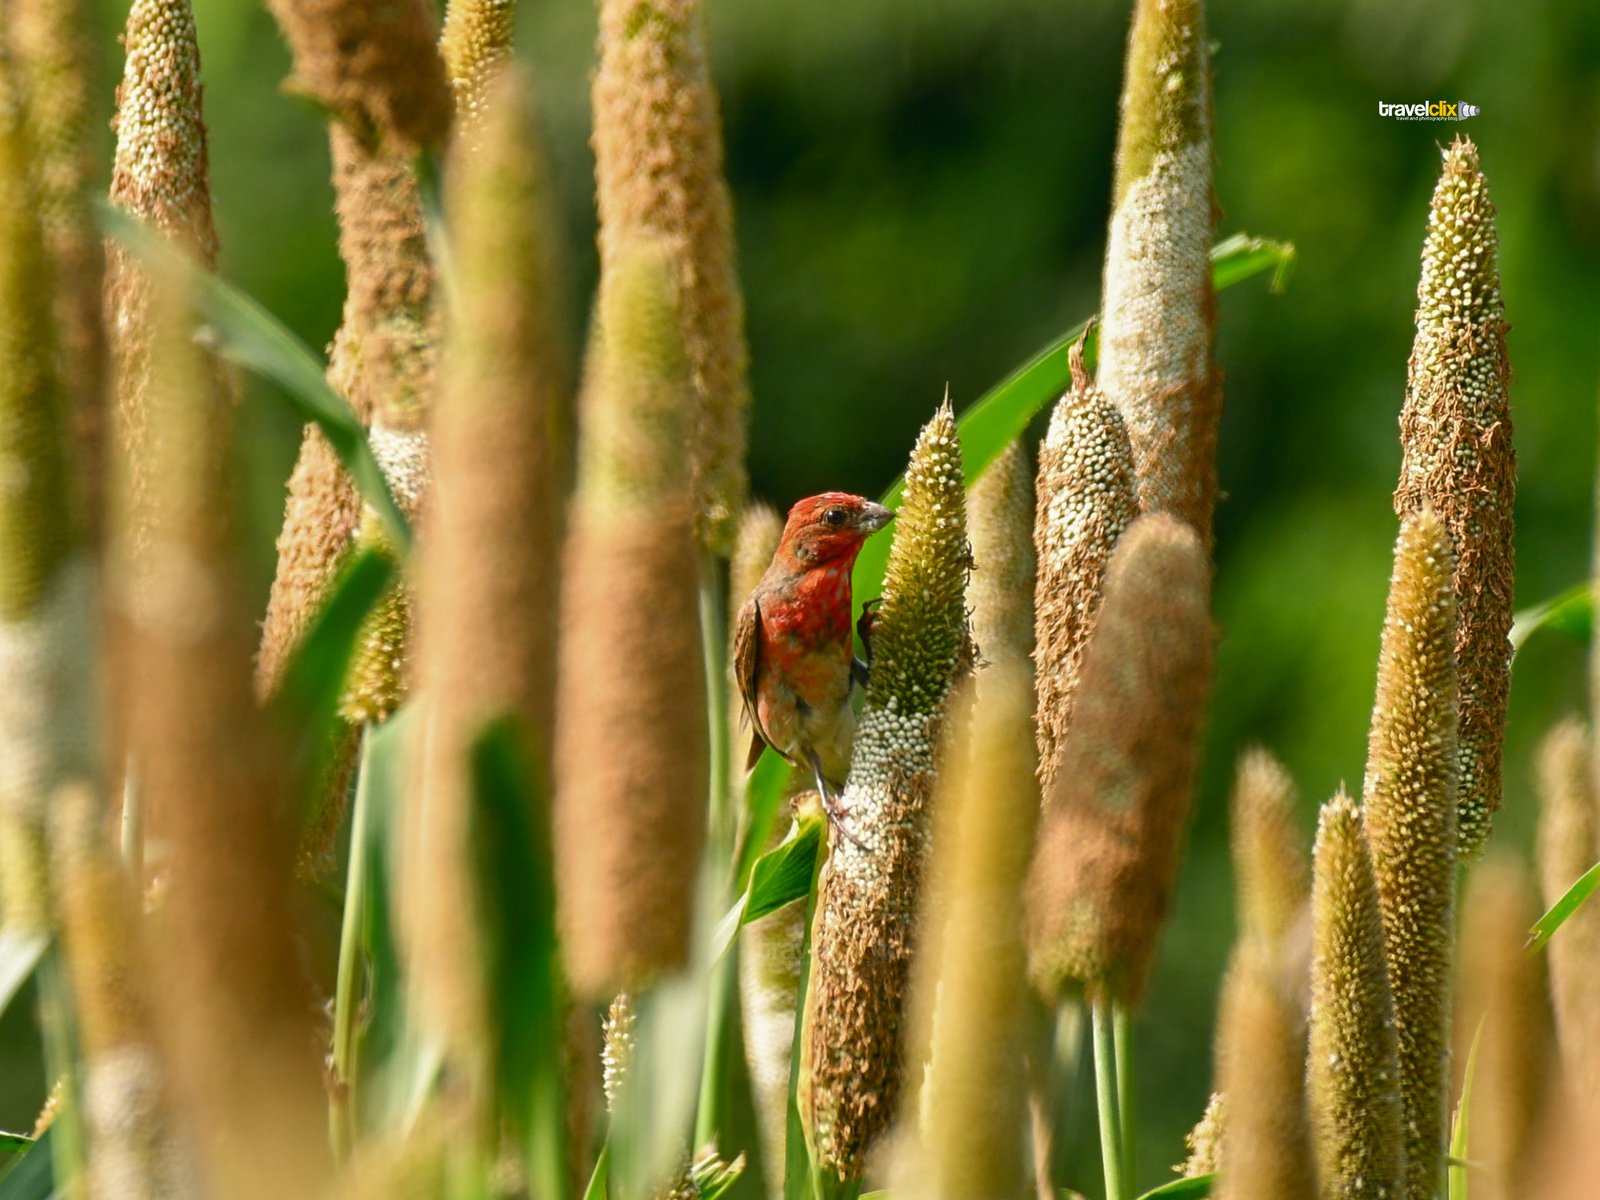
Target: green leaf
240, 330
395, 1066
517, 912
713, 1178
602, 1174
1003, 412
1182, 1189
13, 1143
30, 1173
1457, 1171
307, 701
1564, 907
1570, 612
783, 874
763, 796
19, 956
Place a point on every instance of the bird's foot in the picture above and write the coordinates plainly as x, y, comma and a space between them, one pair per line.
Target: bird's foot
835, 810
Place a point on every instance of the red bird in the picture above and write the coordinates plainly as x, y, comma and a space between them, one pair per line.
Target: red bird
792, 654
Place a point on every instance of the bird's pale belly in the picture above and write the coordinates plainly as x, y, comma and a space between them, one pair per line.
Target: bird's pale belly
826, 724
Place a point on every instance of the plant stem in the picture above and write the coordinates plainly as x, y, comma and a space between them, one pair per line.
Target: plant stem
799, 1182
1127, 1114
66, 1128
719, 846
132, 832
1105, 1087
352, 947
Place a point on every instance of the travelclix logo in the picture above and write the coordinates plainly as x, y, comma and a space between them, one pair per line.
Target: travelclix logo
1429, 110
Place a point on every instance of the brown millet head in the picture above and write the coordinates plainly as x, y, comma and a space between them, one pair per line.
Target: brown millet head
374, 67
1086, 499
1000, 519
1269, 861
1455, 432
1568, 845
1205, 1139
1261, 1056
1502, 991
760, 528
1353, 1083
1159, 313
487, 587
161, 176
1114, 819
659, 172
1409, 798
55, 62
853, 1041
630, 757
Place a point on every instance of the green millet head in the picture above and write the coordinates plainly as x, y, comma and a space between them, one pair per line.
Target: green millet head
1409, 797
1086, 499
1268, 859
1166, 95
1568, 845
476, 42
659, 172
36, 533
1114, 818
1455, 434
1265, 1153
852, 1044
922, 623
1353, 1072
1000, 594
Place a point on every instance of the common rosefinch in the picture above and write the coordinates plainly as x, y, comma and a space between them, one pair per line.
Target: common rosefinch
792, 654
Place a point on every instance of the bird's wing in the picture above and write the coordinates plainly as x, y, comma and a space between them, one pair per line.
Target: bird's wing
747, 670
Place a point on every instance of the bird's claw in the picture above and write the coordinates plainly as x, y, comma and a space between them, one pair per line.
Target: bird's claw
835, 811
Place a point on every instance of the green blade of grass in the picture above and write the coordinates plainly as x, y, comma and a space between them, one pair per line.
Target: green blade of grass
31, 1174
511, 840
243, 332
998, 416
19, 958
1182, 1189
778, 878
1564, 907
1458, 1166
1570, 612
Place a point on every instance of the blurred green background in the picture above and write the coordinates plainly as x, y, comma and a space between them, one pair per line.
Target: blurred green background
921, 191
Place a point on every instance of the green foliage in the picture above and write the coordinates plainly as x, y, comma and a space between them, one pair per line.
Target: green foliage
1563, 908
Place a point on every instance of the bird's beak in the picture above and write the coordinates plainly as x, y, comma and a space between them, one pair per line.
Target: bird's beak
875, 516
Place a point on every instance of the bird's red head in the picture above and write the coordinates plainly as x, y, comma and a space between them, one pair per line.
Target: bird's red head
829, 527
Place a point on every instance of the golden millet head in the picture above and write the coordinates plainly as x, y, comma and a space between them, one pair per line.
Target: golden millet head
1000, 517
1353, 1072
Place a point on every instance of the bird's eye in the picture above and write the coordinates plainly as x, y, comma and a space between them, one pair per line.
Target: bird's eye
834, 517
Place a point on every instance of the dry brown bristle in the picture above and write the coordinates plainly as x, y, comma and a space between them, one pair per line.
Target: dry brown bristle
1119, 802
1455, 432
